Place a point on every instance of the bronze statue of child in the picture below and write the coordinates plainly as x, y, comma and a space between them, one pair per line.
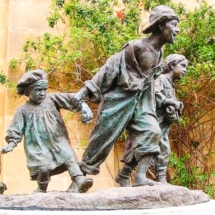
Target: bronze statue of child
168, 110
124, 86
46, 140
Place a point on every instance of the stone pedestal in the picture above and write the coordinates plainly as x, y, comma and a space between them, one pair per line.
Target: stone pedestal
146, 197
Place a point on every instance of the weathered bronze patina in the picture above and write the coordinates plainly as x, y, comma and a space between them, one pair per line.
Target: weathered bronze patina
46, 141
125, 88
168, 110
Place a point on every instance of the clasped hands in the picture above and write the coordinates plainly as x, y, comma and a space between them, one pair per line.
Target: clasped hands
78, 100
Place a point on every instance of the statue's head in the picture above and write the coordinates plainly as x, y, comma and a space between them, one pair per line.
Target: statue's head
175, 64
33, 84
160, 15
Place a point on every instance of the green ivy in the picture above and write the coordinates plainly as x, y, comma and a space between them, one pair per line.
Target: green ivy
193, 178
3, 79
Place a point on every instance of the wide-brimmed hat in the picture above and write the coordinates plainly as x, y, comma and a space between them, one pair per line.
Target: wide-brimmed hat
158, 13
30, 78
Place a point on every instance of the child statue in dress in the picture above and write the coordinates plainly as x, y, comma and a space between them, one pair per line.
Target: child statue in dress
46, 140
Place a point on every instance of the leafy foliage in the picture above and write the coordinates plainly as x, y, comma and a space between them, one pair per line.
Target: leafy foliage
97, 29
3, 79
192, 177
5, 82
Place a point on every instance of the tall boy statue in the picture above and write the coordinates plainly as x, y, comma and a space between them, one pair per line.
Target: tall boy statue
168, 110
124, 86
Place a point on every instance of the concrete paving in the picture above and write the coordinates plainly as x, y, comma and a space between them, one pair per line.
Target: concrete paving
207, 208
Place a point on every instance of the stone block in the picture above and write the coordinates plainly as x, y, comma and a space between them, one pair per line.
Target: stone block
3, 43
25, 15
4, 2
16, 40
4, 17
29, 15
2, 111
2, 64
145, 197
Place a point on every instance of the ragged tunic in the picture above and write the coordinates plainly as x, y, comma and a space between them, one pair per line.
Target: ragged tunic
127, 102
46, 140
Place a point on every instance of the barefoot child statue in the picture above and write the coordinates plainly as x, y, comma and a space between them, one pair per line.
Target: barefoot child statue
124, 86
168, 110
46, 141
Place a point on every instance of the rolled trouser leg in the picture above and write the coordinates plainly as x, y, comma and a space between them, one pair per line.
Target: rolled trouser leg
123, 175
160, 173
161, 164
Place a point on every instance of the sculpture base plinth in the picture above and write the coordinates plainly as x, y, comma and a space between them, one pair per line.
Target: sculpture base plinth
145, 197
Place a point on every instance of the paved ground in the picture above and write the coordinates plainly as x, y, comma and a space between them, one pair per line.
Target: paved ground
207, 208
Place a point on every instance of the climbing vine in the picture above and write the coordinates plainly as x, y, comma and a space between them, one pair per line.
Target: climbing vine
94, 31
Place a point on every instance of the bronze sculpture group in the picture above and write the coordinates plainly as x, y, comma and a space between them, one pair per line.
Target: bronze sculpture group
133, 95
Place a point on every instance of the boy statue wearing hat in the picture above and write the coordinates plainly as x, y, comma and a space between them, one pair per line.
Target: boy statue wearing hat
46, 141
124, 86
168, 110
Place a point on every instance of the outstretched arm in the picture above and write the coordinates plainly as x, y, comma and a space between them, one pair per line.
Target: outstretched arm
80, 96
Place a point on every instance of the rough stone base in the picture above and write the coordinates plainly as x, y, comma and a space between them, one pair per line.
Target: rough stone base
145, 197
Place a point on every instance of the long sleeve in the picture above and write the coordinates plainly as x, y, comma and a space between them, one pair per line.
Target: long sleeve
159, 92
104, 78
16, 128
65, 101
